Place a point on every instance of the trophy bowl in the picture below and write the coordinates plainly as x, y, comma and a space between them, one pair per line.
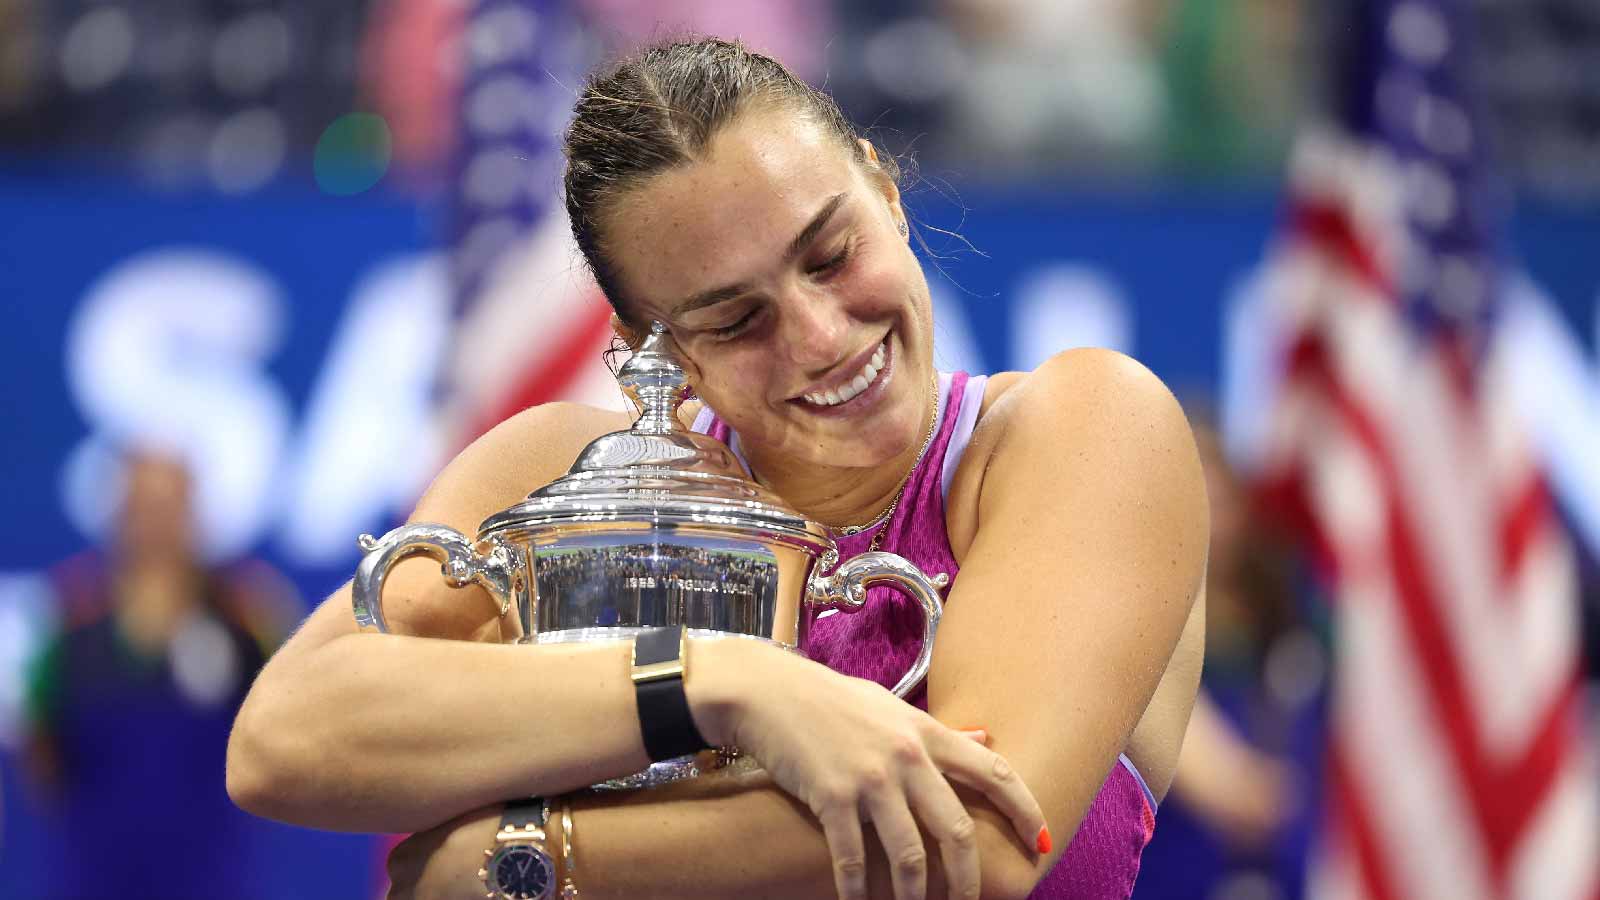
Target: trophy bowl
653, 526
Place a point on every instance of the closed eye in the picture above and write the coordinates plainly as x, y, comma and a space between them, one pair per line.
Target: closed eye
833, 264
733, 330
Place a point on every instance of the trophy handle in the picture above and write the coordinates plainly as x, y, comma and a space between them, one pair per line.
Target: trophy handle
492, 563
846, 590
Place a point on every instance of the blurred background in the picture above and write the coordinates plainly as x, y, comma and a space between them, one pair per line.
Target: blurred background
268, 263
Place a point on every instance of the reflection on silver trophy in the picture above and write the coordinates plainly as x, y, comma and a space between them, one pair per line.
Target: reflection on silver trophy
653, 526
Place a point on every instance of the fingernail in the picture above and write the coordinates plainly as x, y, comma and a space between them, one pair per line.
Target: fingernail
1043, 843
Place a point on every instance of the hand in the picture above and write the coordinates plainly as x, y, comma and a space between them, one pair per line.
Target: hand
430, 865
849, 749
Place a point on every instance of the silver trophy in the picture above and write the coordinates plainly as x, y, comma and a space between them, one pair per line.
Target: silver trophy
656, 525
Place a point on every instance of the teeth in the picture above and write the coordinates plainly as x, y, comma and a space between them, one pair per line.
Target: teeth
850, 389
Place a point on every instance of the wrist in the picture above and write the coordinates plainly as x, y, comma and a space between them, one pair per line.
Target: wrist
714, 688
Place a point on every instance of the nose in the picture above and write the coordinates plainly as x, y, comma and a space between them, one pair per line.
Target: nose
814, 331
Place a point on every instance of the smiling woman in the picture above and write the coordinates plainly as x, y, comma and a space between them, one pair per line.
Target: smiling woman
712, 191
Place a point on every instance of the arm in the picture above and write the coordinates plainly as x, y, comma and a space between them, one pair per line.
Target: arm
1075, 590
1088, 560
374, 732
708, 838
337, 718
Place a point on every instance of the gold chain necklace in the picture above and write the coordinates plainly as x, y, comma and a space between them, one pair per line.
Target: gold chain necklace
882, 518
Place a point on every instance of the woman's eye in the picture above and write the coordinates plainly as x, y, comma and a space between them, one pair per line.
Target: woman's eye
728, 331
832, 264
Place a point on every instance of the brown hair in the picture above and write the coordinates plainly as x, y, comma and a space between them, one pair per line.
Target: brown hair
658, 109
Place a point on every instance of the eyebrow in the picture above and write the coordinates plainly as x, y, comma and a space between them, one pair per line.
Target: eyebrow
795, 248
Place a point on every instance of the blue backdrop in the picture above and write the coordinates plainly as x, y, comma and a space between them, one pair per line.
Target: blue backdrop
293, 332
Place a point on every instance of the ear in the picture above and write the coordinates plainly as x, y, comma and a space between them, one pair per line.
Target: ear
633, 338
629, 335
870, 151
885, 186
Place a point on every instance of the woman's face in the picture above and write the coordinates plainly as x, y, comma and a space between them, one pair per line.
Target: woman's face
778, 264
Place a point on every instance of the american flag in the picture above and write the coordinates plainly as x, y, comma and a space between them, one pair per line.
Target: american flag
531, 325
1459, 764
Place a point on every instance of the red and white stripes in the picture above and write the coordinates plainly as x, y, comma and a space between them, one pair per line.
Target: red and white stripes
1458, 766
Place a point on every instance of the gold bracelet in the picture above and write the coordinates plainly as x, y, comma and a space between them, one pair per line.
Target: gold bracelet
569, 889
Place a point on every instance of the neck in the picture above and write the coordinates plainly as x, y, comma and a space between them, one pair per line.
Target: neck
841, 496
152, 601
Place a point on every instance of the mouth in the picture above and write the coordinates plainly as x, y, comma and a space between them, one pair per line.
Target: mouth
856, 386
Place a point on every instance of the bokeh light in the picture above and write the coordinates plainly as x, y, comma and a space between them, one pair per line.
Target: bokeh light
353, 154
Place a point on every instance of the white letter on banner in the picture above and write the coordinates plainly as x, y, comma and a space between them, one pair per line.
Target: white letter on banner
166, 352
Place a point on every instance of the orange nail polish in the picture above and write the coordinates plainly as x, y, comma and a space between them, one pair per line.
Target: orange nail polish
1044, 839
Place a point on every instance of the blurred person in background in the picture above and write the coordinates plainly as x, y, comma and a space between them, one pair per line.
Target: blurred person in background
1242, 798
1233, 73
1048, 82
130, 704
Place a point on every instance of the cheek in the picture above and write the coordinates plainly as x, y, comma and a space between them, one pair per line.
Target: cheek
881, 285
735, 379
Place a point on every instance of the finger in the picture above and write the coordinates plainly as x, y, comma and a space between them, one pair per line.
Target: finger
976, 734
902, 843
841, 826
986, 771
946, 819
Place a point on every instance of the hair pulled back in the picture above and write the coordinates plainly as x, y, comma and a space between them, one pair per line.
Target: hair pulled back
658, 109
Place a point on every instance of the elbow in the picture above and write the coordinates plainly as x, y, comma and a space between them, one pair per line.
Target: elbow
1010, 870
247, 785
256, 775
248, 781
274, 768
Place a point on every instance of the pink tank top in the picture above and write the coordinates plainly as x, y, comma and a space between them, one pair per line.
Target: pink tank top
880, 642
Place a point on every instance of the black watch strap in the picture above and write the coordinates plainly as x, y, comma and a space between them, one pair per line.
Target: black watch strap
519, 814
664, 719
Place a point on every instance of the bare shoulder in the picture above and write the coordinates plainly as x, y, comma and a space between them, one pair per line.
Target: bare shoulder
1079, 411
1077, 386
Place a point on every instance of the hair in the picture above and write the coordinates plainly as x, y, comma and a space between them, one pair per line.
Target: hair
657, 110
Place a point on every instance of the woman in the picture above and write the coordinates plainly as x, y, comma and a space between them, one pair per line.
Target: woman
712, 191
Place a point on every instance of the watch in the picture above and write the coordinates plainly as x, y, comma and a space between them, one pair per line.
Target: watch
518, 866
665, 723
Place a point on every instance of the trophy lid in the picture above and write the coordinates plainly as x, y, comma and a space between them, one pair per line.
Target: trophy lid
659, 473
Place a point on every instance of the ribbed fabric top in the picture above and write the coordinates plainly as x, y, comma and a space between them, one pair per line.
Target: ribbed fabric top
881, 640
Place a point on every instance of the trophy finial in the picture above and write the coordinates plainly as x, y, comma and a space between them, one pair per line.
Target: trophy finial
654, 381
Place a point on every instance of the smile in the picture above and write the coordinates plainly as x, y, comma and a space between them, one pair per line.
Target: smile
853, 385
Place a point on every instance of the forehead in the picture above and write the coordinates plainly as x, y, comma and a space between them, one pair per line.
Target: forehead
727, 217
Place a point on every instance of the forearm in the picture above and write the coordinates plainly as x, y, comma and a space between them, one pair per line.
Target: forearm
715, 837
746, 838
385, 733
375, 732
